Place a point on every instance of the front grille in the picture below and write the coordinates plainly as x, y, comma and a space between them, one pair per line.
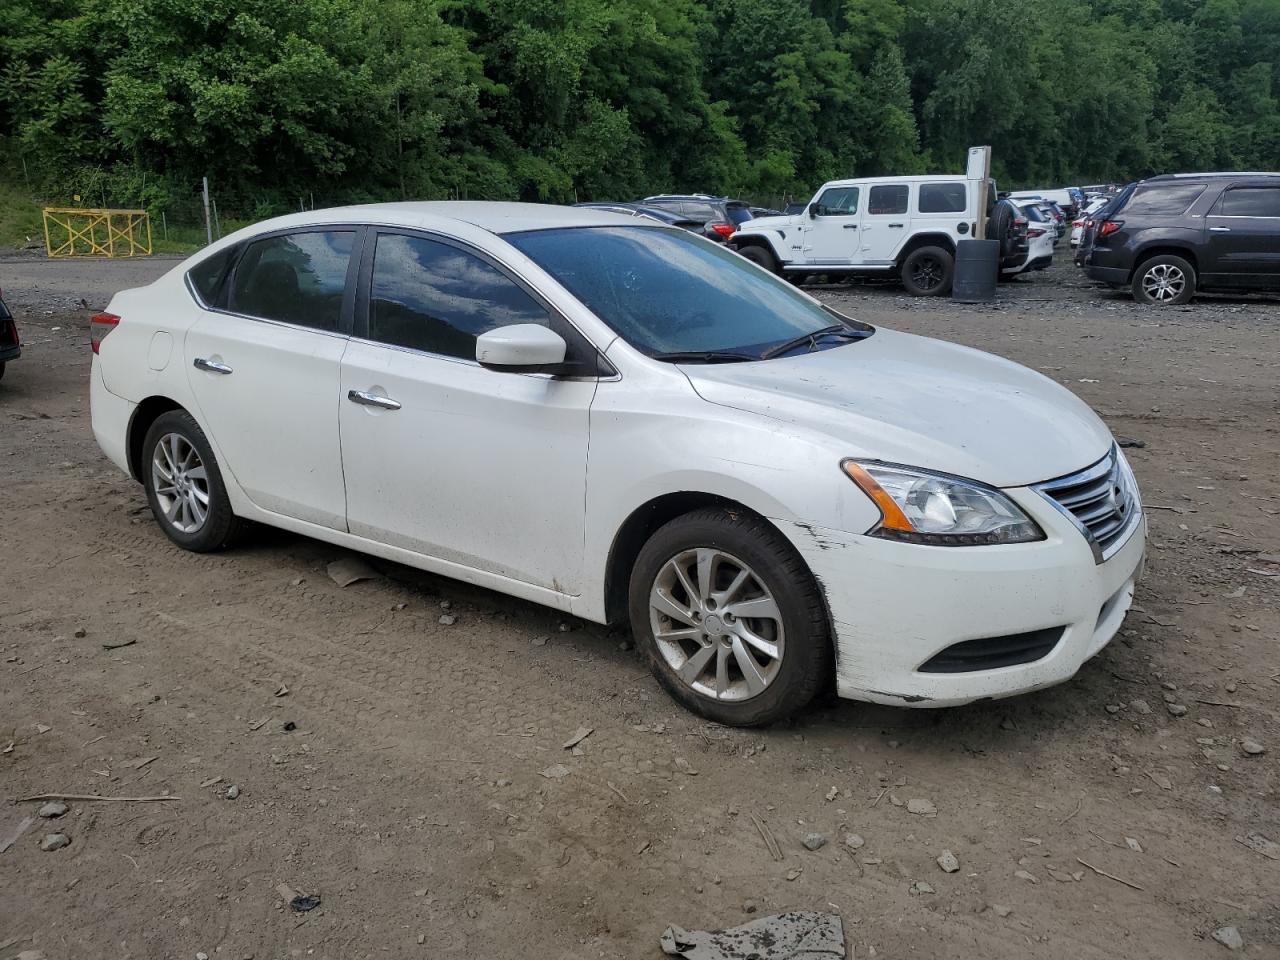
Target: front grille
1102, 501
988, 653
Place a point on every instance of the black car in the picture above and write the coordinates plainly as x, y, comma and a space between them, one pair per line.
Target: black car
1176, 234
670, 217
721, 215
10, 344
1009, 225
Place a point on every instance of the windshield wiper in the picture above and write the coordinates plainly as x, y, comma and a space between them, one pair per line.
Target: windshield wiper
704, 356
812, 339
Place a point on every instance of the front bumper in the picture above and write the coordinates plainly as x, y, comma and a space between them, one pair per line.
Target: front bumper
895, 606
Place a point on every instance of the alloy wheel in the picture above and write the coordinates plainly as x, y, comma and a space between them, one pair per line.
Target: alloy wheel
716, 624
1163, 283
927, 273
180, 482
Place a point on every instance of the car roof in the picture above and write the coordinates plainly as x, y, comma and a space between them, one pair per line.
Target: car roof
876, 181
494, 216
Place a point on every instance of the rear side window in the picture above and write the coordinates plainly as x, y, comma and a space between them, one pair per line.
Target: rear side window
1165, 200
208, 277
702, 212
1250, 202
296, 278
434, 297
739, 214
888, 199
942, 198
838, 202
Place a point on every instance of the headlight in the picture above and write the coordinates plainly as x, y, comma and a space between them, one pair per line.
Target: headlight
917, 506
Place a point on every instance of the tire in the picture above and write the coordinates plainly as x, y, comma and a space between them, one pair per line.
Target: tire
928, 272
761, 258
1164, 280
1001, 222
177, 506
744, 553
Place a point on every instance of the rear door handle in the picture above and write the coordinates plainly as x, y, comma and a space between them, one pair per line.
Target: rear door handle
212, 366
372, 400
1219, 229
896, 226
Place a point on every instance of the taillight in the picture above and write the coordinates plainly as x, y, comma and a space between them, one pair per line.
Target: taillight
1035, 232
724, 229
99, 326
1108, 227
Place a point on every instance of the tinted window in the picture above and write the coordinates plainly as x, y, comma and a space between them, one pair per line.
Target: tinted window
739, 215
1250, 202
667, 291
942, 198
435, 297
888, 199
702, 212
1163, 200
838, 202
208, 275
1033, 213
296, 278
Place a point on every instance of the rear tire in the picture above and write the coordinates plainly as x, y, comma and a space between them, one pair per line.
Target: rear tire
184, 485
754, 598
761, 258
1164, 280
928, 272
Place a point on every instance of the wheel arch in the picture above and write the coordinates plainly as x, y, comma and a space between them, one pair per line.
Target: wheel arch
766, 240
924, 240
640, 525
1158, 248
143, 417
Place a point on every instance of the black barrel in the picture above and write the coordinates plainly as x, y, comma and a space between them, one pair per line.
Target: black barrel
977, 269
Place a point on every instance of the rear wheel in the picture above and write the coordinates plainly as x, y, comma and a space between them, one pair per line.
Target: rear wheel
761, 258
1164, 280
928, 272
184, 485
729, 618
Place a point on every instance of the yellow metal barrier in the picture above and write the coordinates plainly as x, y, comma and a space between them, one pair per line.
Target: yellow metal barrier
77, 232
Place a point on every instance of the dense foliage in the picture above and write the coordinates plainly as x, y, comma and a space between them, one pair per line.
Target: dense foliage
135, 100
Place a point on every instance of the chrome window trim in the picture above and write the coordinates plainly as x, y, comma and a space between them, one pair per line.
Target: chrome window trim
1113, 461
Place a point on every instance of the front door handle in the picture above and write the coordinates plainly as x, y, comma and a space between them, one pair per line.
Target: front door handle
851, 226
1219, 229
212, 366
372, 400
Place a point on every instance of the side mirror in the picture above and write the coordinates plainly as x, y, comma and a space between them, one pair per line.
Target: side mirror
813, 211
520, 348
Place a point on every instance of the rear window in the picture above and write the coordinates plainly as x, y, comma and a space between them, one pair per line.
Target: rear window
1164, 200
1250, 202
942, 198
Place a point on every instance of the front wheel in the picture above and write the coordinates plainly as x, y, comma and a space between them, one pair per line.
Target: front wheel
761, 258
184, 485
1164, 280
730, 618
928, 272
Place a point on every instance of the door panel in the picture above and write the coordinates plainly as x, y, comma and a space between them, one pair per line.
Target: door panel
1243, 238
886, 222
831, 233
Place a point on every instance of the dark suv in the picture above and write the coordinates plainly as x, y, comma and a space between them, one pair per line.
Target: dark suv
721, 215
10, 344
1170, 236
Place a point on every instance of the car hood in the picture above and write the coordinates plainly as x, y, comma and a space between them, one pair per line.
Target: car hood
767, 223
920, 402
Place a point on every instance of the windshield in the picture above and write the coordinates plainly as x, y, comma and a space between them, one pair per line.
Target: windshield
670, 292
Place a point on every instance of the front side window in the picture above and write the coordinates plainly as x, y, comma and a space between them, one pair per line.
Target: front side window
295, 278
437, 298
942, 198
1250, 202
668, 292
837, 202
888, 200
1163, 200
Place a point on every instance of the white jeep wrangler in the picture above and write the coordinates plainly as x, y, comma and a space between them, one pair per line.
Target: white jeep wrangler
877, 226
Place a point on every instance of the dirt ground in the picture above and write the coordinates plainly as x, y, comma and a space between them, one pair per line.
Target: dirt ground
411, 796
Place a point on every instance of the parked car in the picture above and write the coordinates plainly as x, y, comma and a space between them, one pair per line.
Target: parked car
1174, 235
636, 424
878, 226
764, 212
721, 215
1063, 197
1009, 225
792, 209
668, 217
1041, 235
1078, 227
1091, 224
10, 342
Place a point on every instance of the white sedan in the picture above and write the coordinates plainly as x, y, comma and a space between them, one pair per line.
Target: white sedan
625, 421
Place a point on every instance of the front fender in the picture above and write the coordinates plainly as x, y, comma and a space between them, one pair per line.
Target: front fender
774, 239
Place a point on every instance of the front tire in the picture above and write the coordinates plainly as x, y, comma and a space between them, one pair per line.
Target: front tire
928, 272
184, 485
761, 258
1164, 280
730, 618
